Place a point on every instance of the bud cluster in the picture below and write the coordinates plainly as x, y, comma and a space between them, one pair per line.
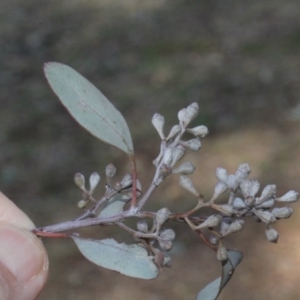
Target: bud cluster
173, 148
244, 201
87, 194
164, 236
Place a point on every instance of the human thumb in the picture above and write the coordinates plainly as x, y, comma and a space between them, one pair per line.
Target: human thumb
23, 264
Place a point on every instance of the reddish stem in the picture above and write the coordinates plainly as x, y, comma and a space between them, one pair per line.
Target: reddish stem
201, 235
134, 178
50, 234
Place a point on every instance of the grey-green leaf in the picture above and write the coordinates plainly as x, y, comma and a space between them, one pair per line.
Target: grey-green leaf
114, 206
130, 260
213, 289
89, 106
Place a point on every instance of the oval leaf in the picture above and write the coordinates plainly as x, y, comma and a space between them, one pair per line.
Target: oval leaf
130, 260
114, 206
89, 106
213, 289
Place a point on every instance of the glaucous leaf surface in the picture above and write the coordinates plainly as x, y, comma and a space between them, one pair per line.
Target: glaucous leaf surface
213, 289
130, 260
114, 206
89, 106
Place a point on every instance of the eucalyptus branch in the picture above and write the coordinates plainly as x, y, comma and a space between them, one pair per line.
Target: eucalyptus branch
69, 225
147, 257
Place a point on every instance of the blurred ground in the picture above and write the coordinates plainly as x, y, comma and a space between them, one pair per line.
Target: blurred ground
239, 59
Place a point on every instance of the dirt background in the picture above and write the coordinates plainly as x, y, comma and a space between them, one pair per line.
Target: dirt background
239, 59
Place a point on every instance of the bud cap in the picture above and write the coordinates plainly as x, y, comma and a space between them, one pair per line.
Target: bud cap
221, 252
291, 196
94, 180
266, 216
187, 183
186, 168
167, 234
282, 212
162, 216
158, 122
193, 144
221, 174
110, 171
80, 181
199, 131
212, 221
272, 234
174, 130
142, 226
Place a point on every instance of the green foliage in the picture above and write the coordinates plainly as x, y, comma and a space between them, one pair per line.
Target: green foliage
130, 260
89, 106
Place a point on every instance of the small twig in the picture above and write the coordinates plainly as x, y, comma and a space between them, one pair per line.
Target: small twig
189, 212
134, 179
199, 233
84, 223
50, 234
92, 213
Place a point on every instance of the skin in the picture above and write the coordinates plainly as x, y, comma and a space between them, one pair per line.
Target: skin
23, 258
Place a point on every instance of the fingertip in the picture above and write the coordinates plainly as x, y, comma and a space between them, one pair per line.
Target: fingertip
23, 264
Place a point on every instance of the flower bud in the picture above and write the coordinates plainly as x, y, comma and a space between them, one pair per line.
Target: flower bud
193, 144
282, 212
249, 187
110, 172
178, 153
199, 131
242, 172
272, 234
158, 122
167, 261
182, 117
235, 226
266, 204
221, 252
221, 174
268, 192
224, 225
126, 181
212, 221
80, 181
168, 156
186, 168
167, 234
128, 192
162, 216
249, 201
94, 180
265, 216
187, 183
291, 196
213, 240
226, 209
238, 203
174, 130
165, 244
232, 182
220, 188
192, 111
82, 203
142, 226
